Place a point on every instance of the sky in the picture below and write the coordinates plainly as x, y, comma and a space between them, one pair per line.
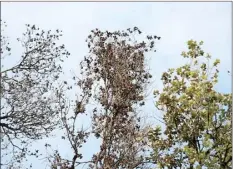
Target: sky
175, 22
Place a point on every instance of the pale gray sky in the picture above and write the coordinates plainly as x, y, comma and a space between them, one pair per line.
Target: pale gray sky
175, 22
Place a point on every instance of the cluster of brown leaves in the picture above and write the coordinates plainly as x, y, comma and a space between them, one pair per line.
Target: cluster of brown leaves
116, 69
115, 77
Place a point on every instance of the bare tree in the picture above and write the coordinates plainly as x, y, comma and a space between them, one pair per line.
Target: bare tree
29, 97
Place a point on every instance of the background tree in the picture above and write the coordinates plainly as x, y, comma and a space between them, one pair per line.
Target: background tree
29, 97
197, 117
76, 137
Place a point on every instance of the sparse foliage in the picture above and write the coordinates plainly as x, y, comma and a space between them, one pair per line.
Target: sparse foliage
29, 100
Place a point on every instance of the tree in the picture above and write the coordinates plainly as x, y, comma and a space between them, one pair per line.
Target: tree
197, 117
29, 97
115, 77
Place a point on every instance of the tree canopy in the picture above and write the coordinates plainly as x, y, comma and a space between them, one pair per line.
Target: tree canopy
197, 117
114, 78
29, 90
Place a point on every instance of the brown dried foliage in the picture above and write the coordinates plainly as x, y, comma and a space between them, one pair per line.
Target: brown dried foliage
115, 77
116, 70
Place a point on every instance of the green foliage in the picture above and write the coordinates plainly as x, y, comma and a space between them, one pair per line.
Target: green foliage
197, 117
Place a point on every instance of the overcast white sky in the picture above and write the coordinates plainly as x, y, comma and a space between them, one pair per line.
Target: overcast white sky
175, 22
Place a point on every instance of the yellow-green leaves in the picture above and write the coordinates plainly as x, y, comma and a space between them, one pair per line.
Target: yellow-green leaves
192, 44
201, 43
217, 61
203, 66
194, 116
184, 54
194, 74
171, 70
179, 70
156, 92
201, 52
